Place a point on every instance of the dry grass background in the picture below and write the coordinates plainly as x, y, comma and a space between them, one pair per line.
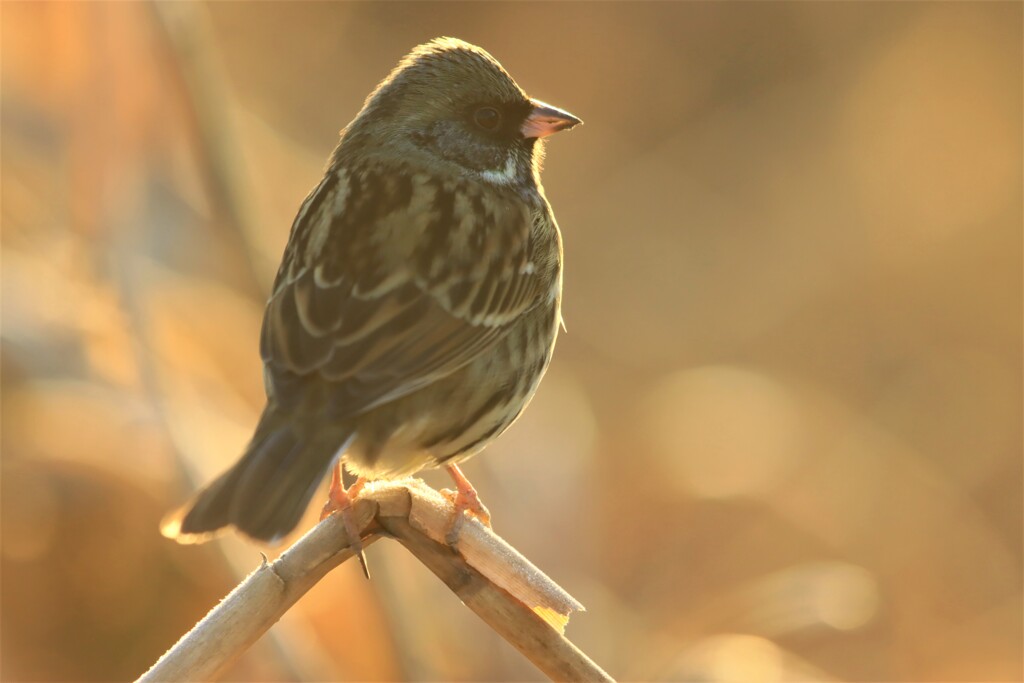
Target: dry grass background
782, 439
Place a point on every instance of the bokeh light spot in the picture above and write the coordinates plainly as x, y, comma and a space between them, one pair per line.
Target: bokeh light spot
846, 597
744, 658
724, 431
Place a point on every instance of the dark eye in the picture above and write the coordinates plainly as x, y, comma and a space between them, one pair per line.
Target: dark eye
487, 118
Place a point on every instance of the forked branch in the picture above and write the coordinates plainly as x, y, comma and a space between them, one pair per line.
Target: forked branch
512, 596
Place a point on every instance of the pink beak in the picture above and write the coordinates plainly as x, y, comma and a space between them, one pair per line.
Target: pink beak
545, 120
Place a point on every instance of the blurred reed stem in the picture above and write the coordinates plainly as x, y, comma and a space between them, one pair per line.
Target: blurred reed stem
186, 29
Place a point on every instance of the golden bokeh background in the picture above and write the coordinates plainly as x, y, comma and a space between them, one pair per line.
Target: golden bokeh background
781, 440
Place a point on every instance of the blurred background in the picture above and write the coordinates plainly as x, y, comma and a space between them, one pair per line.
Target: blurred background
781, 440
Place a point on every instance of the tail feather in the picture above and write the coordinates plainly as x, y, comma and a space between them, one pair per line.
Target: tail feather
266, 493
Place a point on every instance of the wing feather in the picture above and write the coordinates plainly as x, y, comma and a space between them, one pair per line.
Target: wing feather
392, 282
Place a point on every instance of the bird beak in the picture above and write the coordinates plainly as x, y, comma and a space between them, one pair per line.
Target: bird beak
545, 120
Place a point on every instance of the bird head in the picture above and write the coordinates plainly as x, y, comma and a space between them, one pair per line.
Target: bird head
451, 104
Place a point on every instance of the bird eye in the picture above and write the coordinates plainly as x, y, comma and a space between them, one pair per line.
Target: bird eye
487, 118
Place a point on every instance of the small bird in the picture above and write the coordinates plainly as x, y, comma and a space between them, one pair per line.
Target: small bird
417, 303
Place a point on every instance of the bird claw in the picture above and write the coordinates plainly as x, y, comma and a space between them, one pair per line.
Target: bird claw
467, 504
339, 500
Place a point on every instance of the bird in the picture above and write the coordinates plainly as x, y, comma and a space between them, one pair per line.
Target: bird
417, 303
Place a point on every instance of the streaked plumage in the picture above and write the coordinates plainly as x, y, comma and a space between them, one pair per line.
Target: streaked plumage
417, 303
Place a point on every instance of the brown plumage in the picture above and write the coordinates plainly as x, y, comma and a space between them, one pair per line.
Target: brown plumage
417, 304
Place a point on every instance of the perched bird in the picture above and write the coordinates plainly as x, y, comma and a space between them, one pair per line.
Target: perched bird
418, 300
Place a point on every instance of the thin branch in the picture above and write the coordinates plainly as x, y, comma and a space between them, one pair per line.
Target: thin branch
511, 595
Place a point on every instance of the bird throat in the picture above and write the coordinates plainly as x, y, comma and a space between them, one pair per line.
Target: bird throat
509, 174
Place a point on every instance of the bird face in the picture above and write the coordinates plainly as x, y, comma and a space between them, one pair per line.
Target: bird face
483, 137
450, 105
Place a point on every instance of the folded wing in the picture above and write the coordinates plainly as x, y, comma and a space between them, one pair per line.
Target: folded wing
395, 280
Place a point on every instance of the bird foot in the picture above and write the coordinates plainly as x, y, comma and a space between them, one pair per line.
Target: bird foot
467, 503
339, 499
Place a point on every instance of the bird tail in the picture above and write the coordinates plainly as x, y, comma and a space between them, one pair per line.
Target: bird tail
266, 492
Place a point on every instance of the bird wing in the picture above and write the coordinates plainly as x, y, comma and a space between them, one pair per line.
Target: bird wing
392, 281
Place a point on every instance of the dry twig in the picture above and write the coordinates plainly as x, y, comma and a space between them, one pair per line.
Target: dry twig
511, 595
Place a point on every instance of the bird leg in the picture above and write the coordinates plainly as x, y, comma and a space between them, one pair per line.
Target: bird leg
339, 499
466, 501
